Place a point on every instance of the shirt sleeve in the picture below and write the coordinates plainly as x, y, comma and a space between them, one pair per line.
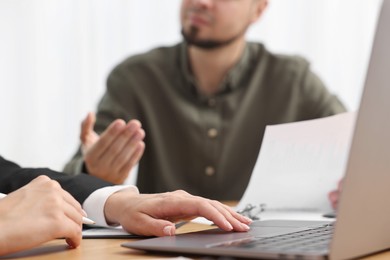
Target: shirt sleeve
94, 204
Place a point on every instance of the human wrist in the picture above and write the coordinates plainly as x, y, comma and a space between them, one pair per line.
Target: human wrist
116, 204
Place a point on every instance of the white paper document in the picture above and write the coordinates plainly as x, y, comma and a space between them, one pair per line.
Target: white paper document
107, 232
299, 164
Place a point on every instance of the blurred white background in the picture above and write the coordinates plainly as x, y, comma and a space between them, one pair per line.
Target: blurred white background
55, 56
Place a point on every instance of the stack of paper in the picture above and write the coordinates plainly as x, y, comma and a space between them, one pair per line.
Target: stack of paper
299, 164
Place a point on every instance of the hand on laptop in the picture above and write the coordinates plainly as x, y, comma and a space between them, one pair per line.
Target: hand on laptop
114, 153
36, 213
335, 194
155, 214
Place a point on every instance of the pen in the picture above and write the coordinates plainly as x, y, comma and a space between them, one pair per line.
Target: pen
88, 221
181, 223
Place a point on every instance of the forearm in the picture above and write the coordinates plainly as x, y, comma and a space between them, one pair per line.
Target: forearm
13, 177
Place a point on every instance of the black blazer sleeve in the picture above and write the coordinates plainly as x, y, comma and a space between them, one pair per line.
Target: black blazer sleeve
12, 177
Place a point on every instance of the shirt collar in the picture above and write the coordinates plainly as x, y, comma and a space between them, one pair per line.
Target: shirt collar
232, 79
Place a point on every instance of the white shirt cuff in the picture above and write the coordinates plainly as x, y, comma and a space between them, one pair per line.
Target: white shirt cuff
94, 204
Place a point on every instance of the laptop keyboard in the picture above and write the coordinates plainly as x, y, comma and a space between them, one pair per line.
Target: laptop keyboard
310, 240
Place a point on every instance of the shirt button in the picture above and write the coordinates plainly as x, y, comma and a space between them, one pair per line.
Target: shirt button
212, 132
210, 171
212, 102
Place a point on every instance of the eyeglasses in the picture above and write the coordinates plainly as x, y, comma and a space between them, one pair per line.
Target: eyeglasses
253, 211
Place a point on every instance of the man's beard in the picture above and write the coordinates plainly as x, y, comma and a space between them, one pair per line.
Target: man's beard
191, 39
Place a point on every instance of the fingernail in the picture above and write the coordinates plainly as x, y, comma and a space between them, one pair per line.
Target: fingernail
70, 243
245, 227
84, 213
229, 225
168, 231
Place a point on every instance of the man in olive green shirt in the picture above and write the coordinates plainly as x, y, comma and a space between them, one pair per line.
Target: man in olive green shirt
203, 103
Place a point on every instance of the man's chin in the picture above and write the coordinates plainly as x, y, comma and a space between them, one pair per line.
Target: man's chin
192, 39
205, 44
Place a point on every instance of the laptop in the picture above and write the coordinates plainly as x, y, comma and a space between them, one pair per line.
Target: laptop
363, 219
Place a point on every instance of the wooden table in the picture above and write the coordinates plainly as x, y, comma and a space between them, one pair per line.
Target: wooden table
96, 249
103, 249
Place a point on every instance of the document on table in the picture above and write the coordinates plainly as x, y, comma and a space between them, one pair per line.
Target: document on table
299, 164
116, 232
107, 232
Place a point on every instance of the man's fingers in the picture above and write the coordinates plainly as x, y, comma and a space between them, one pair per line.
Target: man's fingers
333, 197
237, 224
154, 213
140, 148
107, 137
182, 204
87, 127
113, 155
215, 212
149, 226
122, 147
119, 154
131, 153
238, 216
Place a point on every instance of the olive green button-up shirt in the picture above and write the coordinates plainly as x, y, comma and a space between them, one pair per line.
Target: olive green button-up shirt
207, 145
